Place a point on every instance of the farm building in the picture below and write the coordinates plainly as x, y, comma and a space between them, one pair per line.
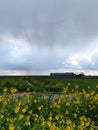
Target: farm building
67, 74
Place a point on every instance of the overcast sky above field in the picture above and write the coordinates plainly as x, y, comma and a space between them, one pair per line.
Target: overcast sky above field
43, 36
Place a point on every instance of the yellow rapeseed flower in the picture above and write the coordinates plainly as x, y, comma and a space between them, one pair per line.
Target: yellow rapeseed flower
43, 124
13, 90
21, 116
1, 98
58, 106
57, 117
35, 101
78, 102
53, 127
1, 116
82, 123
68, 128
7, 119
68, 122
41, 118
35, 117
80, 127
89, 87
5, 102
75, 115
92, 93
77, 86
68, 84
87, 124
28, 89
45, 97
83, 118
50, 118
66, 112
49, 123
27, 123
30, 112
39, 107
28, 117
97, 86
5, 90
11, 127
18, 128
67, 104
65, 90
17, 109
24, 109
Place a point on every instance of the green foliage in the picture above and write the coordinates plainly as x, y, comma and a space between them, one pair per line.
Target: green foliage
46, 83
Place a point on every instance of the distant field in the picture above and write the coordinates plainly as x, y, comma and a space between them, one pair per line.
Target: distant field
46, 83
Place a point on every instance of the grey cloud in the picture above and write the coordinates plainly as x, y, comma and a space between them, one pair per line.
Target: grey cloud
85, 64
48, 22
64, 25
95, 61
4, 53
28, 60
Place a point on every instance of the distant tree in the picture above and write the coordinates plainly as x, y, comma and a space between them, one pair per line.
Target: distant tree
81, 74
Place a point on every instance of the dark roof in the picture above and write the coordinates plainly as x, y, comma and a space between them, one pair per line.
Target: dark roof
63, 74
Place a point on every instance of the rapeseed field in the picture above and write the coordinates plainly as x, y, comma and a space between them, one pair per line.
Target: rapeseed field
74, 110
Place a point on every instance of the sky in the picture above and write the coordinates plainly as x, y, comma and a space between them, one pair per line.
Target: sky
38, 37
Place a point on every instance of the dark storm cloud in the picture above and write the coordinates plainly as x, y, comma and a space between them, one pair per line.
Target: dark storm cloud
50, 22
34, 20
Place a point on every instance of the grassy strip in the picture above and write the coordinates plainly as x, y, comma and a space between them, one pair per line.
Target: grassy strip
43, 84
